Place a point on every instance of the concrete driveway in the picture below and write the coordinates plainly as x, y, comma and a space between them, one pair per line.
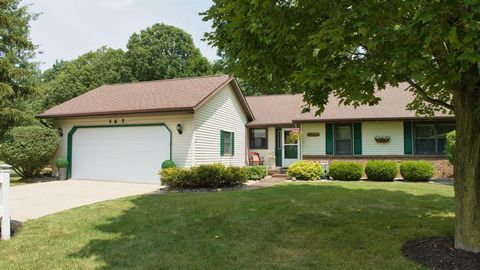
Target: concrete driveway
31, 201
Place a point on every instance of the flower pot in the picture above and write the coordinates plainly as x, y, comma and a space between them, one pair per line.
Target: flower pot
62, 173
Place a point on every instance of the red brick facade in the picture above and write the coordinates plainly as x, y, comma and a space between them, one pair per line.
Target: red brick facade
443, 168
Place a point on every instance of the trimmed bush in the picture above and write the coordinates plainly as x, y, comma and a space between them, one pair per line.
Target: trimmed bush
416, 171
168, 164
179, 178
256, 172
234, 176
347, 171
204, 176
29, 149
381, 170
61, 163
450, 147
210, 175
305, 170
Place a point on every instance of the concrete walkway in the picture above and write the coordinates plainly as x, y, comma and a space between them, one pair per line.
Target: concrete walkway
40, 199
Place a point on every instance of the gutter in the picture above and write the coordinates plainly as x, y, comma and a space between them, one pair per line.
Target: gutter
439, 118
165, 110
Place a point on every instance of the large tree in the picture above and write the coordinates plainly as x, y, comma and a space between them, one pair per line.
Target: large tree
68, 79
353, 48
250, 86
18, 72
163, 52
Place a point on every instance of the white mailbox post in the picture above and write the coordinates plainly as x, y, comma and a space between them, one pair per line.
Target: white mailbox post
5, 204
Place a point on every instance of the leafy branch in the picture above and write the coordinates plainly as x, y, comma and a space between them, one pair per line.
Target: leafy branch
424, 95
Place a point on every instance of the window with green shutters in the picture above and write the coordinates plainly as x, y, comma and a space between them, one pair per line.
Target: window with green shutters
227, 143
343, 138
425, 138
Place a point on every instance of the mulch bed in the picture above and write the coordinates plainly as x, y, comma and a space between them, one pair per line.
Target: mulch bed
439, 253
15, 226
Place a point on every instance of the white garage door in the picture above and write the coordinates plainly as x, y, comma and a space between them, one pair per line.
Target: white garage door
130, 154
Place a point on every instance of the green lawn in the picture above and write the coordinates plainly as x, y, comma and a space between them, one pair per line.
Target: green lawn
336, 225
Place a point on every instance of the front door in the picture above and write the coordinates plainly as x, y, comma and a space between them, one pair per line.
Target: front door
291, 148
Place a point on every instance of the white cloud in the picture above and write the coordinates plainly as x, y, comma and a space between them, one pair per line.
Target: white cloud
115, 4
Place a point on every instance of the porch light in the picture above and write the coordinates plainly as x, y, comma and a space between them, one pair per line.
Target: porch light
60, 132
179, 128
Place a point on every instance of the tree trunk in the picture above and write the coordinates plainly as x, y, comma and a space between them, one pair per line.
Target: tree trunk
467, 165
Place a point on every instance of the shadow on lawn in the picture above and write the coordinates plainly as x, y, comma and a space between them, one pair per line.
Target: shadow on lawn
292, 226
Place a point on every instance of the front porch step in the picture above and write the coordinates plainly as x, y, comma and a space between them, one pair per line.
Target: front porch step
278, 172
279, 175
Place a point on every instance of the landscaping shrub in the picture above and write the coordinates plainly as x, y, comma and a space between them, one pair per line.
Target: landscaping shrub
168, 164
210, 175
256, 172
416, 171
305, 170
348, 171
450, 147
204, 176
234, 176
61, 163
179, 178
28, 149
381, 170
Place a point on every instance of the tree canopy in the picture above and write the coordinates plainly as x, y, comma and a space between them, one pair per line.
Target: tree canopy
158, 52
18, 73
163, 52
352, 49
68, 79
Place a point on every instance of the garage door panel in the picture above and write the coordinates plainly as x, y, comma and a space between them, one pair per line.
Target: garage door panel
132, 154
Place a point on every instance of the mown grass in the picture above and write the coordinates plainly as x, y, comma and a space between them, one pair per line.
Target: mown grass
335, 225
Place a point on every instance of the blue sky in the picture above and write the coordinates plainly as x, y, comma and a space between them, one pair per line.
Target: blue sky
66, 29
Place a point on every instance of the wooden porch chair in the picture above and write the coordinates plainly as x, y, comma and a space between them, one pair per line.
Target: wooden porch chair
254, 159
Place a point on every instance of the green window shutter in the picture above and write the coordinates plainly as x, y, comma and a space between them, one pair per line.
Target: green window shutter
357, 138
407, 138
233, 143
222, 138
278, 147
329, 138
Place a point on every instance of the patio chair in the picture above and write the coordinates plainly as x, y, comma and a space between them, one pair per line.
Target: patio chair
254, 159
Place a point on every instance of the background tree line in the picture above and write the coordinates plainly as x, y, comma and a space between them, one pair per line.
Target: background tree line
155, 53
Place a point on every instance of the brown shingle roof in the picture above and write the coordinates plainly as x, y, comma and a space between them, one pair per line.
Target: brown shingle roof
141, 97
287, 109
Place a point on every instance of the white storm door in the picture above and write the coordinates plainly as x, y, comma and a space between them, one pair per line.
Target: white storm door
291, 148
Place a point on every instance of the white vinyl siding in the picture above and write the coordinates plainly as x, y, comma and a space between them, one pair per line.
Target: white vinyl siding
393, 129
182, 145
313, 145
221, 112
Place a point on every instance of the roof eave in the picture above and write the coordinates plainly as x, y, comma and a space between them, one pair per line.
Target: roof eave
372, 119
163, 110
262, 125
